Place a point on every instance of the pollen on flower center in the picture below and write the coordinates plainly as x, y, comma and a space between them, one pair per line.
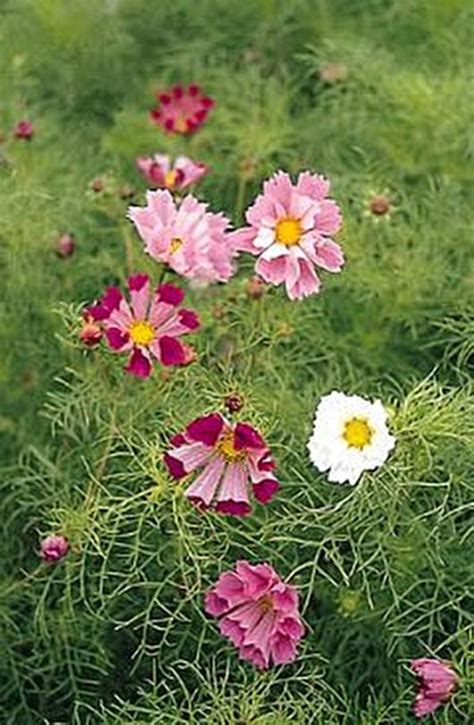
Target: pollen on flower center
170, 178
225, 446
175, 244
265, 604
357, 433
180, 125
288, 232
142, 333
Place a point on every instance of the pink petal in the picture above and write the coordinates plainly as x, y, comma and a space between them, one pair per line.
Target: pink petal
203, 488
138, 365
233, 495
207, 429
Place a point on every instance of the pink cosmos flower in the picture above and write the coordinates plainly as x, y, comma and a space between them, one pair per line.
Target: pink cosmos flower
290, 231
230, 458
187, 237
53, 549
149, 327
24, 130
182, 110
437, 682
159, 171
258, 612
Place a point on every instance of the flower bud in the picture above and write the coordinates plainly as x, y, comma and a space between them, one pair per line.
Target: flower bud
53, 549
255, 287
24, 130
234, 402
66, 245
91, 332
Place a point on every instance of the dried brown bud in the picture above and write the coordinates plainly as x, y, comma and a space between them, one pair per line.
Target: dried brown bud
255, 288
97, 185
379, 205
127, 192
333, 73
234, 402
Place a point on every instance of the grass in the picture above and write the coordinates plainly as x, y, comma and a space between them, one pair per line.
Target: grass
117, 634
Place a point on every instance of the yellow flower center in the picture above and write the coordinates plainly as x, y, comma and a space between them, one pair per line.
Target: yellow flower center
357, 433
180, 125
175, 244
265, 603
225, 446
288, 232
142, 333
170, 178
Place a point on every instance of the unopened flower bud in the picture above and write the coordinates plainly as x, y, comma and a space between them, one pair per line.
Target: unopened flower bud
127, 192
66, 245
97, 185
24, 130
91, 332
379, 205
255, 287
234, 402
53, 549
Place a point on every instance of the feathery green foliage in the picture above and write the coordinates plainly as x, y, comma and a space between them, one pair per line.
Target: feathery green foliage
117, 633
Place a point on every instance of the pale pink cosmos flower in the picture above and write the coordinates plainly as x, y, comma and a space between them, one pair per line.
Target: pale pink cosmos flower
258, 612
181, 110
191, 240
437, 682
160, 172
290, 230
53, 549
148, 328
232, 459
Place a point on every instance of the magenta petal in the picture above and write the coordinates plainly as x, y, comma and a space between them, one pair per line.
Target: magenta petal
112, 298
138, 365
206, 430
170, 294
116, 338
171, 351
137, 281
175, 467
247, 437
178, 440
233, 508
189, 319
265, 490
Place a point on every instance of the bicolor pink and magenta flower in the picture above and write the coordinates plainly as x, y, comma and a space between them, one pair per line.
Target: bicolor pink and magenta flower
182, 110
290, 230
160, 172
437, 682
54, 548
233, 461
148, 328
191, 240
258, 613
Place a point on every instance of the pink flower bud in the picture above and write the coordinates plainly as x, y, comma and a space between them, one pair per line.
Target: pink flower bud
91, 332
24, 130
66, 245
54, 548
234, 402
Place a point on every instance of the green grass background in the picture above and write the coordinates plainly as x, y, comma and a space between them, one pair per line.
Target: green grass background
116, 634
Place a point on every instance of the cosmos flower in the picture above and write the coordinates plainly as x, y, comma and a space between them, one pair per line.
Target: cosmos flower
182, 110
149, 327
24, 130
350, 436
290, 228
231, 460
258, 612
159, 172
187, 237
53, 549
437, 682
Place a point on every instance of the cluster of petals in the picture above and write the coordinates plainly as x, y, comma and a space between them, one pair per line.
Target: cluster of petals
350, 436
53, 549
191, 240
182, 110
232, 459
258, 613
147, 328
290, 229
437, 682
161, 173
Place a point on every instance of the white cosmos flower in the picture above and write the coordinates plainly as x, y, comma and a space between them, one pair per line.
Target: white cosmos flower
350, 435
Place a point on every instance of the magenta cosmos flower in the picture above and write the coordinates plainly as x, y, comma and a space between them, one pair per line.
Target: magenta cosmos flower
187, 237
159, 172
182, 110
149, 327
231, 458
53, 549
437, 682
290, 231
24, 130
258, 612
